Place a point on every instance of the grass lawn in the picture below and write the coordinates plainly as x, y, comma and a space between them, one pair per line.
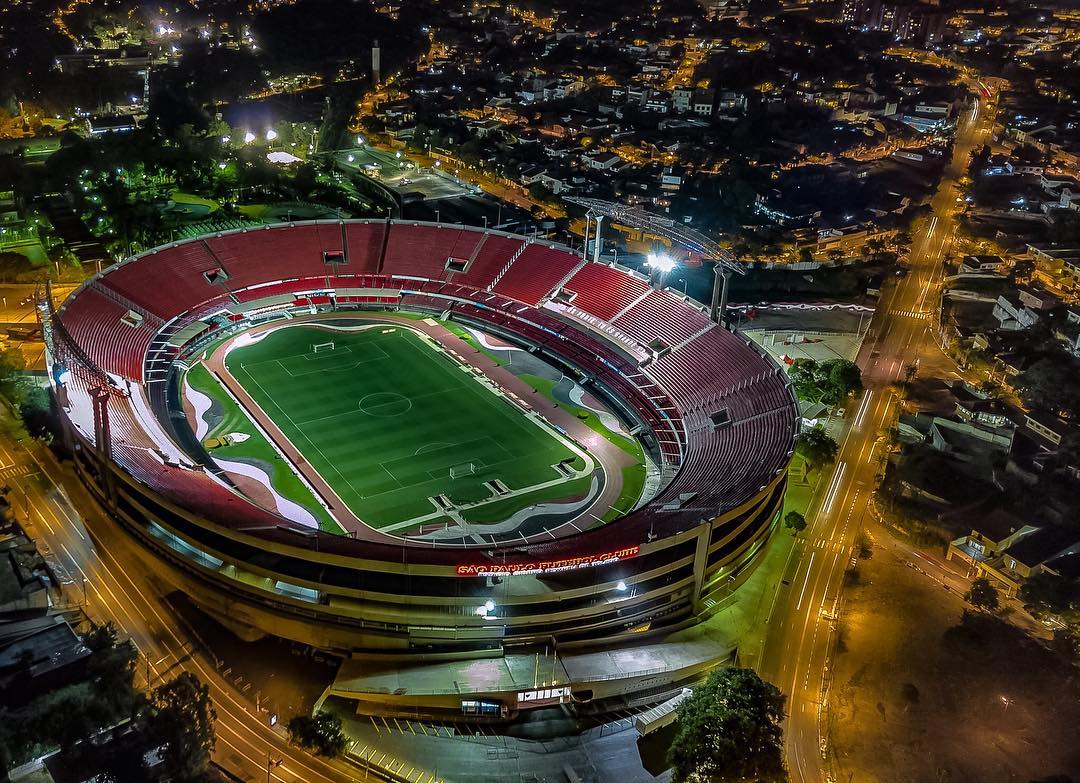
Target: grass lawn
384, 417
255, 450
633, 475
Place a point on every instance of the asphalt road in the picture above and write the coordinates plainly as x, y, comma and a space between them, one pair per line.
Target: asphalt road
116, 584
797, 648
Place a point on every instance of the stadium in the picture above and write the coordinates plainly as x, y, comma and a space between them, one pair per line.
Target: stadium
384, 437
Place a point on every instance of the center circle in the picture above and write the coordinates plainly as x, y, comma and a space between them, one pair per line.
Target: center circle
385, 404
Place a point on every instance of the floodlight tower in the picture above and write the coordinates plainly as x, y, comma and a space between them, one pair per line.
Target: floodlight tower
721, 280
679, 234
659, 265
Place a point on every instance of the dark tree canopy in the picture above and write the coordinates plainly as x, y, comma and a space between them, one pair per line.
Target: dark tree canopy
68, 716
827, 382
730, 730
982, 594
817, 447
183, 721
321, 733
1050, 383
1047, 594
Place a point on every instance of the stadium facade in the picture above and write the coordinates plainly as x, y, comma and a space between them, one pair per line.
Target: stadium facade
716, 417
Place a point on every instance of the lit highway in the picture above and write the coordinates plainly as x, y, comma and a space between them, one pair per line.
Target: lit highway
796, 650
118, 587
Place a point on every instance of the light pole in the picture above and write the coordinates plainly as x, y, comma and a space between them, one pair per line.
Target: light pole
272, 762
718, 309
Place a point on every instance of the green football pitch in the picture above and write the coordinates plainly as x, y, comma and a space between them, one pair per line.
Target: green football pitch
389, 420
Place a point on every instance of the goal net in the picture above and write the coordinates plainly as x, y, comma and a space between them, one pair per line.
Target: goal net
316, 347
464, 469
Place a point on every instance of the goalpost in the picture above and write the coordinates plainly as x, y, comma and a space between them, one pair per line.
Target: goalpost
328, 346
465, 469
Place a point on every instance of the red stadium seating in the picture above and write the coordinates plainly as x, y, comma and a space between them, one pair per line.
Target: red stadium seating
263, 254
94, 321
603, 290
422, 250
539, 269
660, 315
709, 365
178, 270
364, 242
493, 256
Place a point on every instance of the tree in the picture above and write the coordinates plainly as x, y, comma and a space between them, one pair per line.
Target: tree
112, 671
1021, 271
12, 265
827, 382
730, 729
842, 379
320, 732
982, 595
817, 447
1045, 594
795, 522
124, 765
1066, 643
1050, 383
182, 720
36, 411
12, 365
804, 377
540, 193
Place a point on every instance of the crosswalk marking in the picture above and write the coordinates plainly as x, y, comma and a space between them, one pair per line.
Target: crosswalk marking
831, 546
909, 314
15, 471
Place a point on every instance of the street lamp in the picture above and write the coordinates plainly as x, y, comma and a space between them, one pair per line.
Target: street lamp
272, 762
248, 137
271, 134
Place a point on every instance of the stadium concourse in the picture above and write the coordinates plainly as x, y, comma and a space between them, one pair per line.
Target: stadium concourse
715, 418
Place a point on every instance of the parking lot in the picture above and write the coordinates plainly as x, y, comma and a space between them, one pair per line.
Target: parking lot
398, 172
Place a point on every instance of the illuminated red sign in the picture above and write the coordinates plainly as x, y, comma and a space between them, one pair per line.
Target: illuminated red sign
548, 566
